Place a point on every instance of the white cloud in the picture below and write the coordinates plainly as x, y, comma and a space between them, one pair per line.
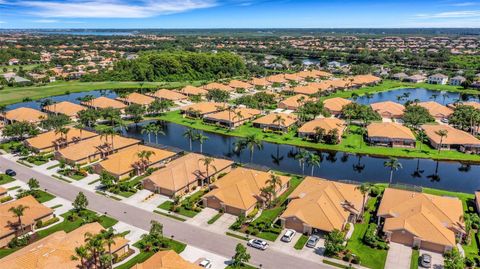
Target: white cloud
2, 22
113, 8
45, 21
464, 4
451, 14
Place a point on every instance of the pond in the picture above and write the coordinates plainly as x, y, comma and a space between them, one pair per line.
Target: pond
452, 176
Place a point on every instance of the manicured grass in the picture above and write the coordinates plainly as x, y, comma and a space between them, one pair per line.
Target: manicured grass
4, 179
215, 218
44, 196
7, 251
169, 215
237, 236
167, 205
301, 242
414, 259
7, 146
244, 266
471, 250
369, 257
335, 264
53, 166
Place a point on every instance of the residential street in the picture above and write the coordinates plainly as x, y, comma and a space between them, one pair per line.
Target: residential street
192, 235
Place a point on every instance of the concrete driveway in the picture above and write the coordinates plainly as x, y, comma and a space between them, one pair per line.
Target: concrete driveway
222, 224
285, 246
437, 258
398, 256
196, 255
202, 218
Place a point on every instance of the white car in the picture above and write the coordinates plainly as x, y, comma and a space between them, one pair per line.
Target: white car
206, 264
257, 243
288, 236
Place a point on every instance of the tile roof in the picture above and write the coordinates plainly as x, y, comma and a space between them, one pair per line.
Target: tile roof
169, 95
48, 139
191, 90
205, 107
104, 102
389, 108
137, 98
454, 136
280, 78
389, 130
336, 104
260, 82
166, 259
239, 84
268, 119
325, 123
435, 109
67, 108
218, 86
293, 101
305, 89
365, 79
25, 114
233, 116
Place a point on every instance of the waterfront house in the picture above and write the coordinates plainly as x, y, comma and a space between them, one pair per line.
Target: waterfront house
276, 122
454, 138
322, 205
232, 118
130, 161
294, 102
136, 98
421, 220
279, 79
66, 108
416, 78
309, 129
364, 80
335, 105
24, 114
52, 140
390, 134
436, 110
457, 80
203, 108
169, 95
184, 174
9, 226
217, 86
104, 102
389, 109
239, 192
400, 76
192, 90
166, 259
260, 82
240, 85
305, 89
438, 78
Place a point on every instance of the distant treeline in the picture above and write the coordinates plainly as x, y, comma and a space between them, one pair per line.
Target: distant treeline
174, 66
22, 55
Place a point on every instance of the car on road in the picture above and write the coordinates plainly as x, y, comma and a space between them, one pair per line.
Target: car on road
206, 263
288, 236
426, 260
258, 243
312, 241
10, 172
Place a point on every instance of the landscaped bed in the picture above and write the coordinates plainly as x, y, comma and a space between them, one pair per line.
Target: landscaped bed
4, 179
187, 207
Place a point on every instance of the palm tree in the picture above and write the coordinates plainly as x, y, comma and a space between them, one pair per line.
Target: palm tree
109, 132
313, 160
442, 134
94, 245
18, 212
252, 142
109, 239
279, 120
80, 126
207, 162
148, 129
394, 165
274, 182
144, 156
319, 133
190, 135
364, 189
201, 139
301, 156
81, 254
422, 138
158, 130
267, 192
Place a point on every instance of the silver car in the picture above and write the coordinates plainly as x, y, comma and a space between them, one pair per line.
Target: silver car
312, 241
288, 236
257, 243
206, 263
426, 260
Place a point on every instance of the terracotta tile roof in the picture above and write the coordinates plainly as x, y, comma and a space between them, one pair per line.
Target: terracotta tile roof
48, 139
225, 115
388, 109
389, 130
169, 95
66, 108
218, 86
293, 77
365, 79
167, 259
454, 136
191, 90
237, 84
325, 123
260, 82
321, 86
306, 89
430, 217
240, 187
123, 161
338, 83
204, 107
137, 98
104, 102
34, 212
185, 170
324, 204
25, 114
293, 101
335, 104
89, 147
436, 110
55, 250
268, 119
280, 78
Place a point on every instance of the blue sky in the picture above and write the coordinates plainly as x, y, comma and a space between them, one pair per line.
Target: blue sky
238, 13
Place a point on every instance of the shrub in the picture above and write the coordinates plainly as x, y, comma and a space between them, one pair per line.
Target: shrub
469, 262
19, 241
356, 260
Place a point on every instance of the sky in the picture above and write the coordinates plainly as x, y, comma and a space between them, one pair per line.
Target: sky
123, 14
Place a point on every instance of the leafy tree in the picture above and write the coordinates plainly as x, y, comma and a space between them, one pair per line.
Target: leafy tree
88, 117
453, 260
241, 256
55, 121
135, 111
18, 211
19, 130
33, 184
218, 95
334, 243
465, 117
81, 202
355, 111
415, 116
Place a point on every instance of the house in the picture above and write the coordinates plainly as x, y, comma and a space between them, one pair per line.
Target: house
278, 79
136, 98
191, 90
364, 80
57, 249
416, 78
240, 85
335, 105
217, 86
13, 61
322, 205
457, 80
51, 140
388, 109
276, 121
93, 149
454, 138
390, 134
24, 114
438, 79
294, 102
239, 191
400, 76
104, 102
34, 212
129, 162
164, 94
166, 259
421, 220
260, 82
305, 89
436, 110
203, 108
184, 174
308, 130
66, 108
232, 118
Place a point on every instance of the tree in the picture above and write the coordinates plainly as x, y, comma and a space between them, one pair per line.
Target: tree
318, 134
422, 138
415, 116
251, 142
109, 236
190, 134
279, 120
302, 156
111, 114
364, 189
18, 211
201, 139
94, 244
149, 129
33, 184
394, 165
218, 95
207, 162
81, 202
313, 160
241, 256
55, 121
274, 182
453, 260
136, 112
334, 243
465, 118
442, 133
81, 253
88, 117
156, 229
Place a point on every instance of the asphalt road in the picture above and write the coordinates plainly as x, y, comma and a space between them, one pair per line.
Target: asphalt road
187, 233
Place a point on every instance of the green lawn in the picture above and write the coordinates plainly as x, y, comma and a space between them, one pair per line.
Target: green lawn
414, 259
44, 196
301, 242
4, 179
167, 205
245, 266
471, 250
7, 146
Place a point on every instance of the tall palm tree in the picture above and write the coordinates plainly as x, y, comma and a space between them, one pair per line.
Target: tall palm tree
190, 134
81, 253
319, 133
80, 126
94, 244
18, 212
144, 156
158, 130
442, 134
279, 120
201, 139
207, 162
109, 239
274, 182
394, 165
252, 142
313, 160
301, 156
364, 189
422, 138
148, 129
109, 132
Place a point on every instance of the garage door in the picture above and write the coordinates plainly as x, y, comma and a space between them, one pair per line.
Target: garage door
214, 203
402, 237
294, 224
432, 247
233, 210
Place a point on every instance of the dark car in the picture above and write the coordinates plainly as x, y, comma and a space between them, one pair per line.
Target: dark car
10, 172
426, 261
312, 241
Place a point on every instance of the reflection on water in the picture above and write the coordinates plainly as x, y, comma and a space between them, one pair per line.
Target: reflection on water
334, 165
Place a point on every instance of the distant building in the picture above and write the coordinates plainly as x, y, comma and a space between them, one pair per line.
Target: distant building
13, 61
457, 81
400, 76
416, 78
438, 79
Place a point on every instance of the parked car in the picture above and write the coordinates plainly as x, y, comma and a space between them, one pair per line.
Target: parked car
258, 243
10, 172
426, 260
312, 241
288, 236
206, 263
